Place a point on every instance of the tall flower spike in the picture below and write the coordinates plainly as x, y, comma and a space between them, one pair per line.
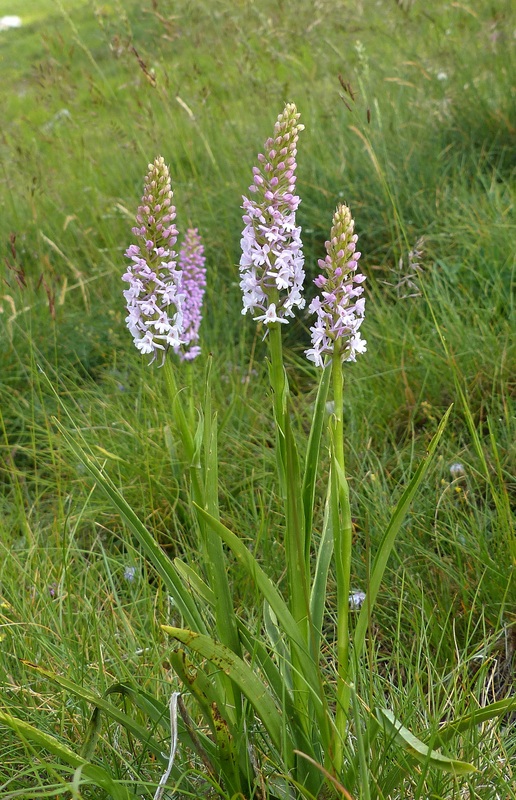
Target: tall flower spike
339, 308
191, 262
154, 298
271, 264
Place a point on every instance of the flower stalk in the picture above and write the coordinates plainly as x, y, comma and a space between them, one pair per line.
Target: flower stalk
340, 511
272, 276
336, 338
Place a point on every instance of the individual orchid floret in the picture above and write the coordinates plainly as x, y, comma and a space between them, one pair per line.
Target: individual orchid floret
154, 297
191, 262
271, 264
339, 307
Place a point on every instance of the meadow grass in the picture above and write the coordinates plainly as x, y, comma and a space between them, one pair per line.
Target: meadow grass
418, 146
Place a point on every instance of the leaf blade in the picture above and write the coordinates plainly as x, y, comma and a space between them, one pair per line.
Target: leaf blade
243, 676
417, 749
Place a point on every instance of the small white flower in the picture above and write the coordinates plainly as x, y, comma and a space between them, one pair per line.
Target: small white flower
457, 471
130, 574
146, 344
162, 324
356, 600
270, 316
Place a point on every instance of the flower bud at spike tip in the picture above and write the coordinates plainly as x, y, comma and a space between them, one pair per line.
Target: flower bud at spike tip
271, 265
154, 297
339, 311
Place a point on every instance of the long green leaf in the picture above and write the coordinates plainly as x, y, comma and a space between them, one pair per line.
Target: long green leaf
387, 543
312, 452
95, 774
322, 566
195, 582
267, 588
417, 749
160, 561
278, 605
217, 567
244, 677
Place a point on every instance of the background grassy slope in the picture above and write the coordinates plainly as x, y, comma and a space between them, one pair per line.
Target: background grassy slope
422, 146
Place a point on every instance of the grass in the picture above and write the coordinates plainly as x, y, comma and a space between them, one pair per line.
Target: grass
420, 147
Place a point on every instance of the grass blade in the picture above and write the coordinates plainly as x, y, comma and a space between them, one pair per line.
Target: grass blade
95, 774
134, 728
387, 543
476, 717
160, 561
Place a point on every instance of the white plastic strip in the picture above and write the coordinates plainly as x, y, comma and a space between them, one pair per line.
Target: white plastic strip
173, 746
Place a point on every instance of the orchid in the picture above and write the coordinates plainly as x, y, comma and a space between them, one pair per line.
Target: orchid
191, 262
271, 264
274, 709
154, 297
340, 307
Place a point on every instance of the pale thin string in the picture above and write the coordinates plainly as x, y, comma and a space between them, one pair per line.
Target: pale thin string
173, 746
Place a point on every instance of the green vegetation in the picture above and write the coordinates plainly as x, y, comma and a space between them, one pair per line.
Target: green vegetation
409, 119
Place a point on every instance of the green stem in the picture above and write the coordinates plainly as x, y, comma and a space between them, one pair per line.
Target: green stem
184, 428
338, 399
290, 479
279, 391
289, 473
342, 532
312, 458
